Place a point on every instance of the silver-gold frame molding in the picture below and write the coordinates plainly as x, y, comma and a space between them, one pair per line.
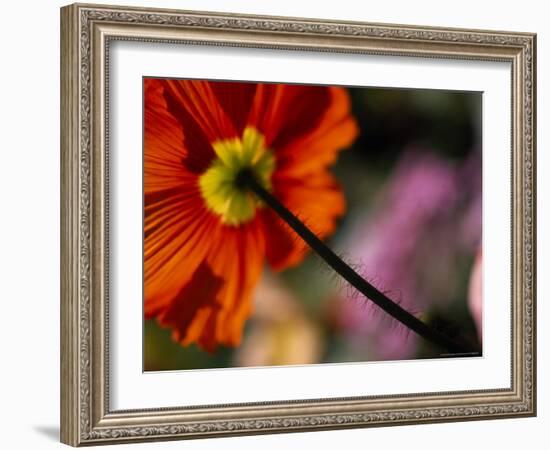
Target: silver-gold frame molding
86, 33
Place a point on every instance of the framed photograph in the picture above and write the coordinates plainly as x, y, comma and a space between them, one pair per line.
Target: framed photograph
276, 225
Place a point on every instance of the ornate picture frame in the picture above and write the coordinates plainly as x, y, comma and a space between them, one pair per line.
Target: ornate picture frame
87, 32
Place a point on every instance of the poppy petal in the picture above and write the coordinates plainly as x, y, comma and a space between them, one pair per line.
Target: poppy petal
239, 259
318, 148
214, 303
164, 146
317, 200
235, 99
283, 112
199, 101
193, 304
177, 235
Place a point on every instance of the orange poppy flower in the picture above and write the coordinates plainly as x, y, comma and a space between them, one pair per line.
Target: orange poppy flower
206, 240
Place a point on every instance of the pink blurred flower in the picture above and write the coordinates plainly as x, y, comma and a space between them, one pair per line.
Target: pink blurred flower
426, 217
475, 293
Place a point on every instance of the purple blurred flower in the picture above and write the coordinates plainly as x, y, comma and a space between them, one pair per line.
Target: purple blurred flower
425, 217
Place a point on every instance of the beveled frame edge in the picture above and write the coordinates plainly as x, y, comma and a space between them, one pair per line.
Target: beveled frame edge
85, 34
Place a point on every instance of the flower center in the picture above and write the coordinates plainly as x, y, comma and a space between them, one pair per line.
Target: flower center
219, 184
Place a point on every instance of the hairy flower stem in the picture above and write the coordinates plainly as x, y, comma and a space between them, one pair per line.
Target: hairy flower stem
247, 180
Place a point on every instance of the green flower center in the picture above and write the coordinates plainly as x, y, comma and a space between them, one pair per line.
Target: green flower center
220, 186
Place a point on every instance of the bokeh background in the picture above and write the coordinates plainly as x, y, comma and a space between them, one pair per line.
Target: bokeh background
412, 227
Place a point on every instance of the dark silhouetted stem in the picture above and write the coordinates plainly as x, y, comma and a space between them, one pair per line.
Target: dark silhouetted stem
246, 179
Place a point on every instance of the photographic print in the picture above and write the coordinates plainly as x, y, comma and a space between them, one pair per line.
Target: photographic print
291, 224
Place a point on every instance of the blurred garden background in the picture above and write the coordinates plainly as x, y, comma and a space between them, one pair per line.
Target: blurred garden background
413, 224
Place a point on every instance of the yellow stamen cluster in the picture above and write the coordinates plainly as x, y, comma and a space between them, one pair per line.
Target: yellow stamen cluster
219, 186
